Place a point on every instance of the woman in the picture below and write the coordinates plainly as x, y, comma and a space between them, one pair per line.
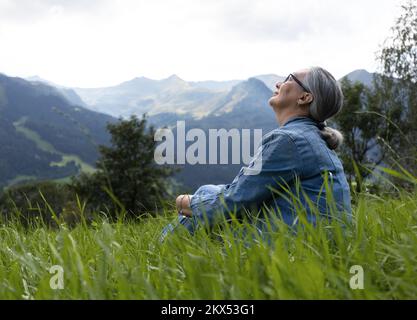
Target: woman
296, 156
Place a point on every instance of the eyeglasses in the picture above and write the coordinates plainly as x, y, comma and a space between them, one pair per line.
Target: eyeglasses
291, 76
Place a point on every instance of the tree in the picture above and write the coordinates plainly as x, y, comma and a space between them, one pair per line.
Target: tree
379, 122
398, 56
398, 84
127, 175
363, 130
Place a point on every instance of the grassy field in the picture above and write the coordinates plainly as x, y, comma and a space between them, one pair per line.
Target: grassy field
124, 260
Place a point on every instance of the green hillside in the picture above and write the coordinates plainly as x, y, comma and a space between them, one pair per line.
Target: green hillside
46, 146
43, 136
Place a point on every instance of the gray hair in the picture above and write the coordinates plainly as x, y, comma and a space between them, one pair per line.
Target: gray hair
327, 102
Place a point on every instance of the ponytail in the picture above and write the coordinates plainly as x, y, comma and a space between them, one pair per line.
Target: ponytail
327, 102
333, 137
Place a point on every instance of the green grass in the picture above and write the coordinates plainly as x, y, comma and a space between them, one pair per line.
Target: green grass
124, 260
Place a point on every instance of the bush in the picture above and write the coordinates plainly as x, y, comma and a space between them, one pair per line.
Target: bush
38, 200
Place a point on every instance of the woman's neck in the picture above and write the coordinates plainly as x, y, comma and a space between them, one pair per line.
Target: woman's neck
285, 115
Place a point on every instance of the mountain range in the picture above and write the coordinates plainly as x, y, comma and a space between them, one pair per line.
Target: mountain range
170, 95
52, 132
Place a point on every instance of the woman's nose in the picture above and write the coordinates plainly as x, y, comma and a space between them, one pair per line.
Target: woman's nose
278, 84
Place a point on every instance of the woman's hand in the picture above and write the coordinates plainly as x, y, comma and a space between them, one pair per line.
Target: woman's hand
183, 205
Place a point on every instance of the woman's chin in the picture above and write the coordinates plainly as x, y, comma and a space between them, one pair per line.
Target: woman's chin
272, 101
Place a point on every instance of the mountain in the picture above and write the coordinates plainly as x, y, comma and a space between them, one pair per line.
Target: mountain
270, 80
43, 135
172, 95
143, 95
362, 76
215, 85
244, 107
67, 93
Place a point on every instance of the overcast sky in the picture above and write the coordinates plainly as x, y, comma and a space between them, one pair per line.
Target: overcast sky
94, 43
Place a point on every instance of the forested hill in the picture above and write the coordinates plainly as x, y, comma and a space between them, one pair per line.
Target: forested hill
43, 135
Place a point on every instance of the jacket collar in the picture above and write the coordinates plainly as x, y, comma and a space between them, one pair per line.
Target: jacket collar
299, 119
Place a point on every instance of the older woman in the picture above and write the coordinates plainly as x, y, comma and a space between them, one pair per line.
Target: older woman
295, 159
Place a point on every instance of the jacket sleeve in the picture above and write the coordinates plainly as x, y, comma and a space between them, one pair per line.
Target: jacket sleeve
275, 162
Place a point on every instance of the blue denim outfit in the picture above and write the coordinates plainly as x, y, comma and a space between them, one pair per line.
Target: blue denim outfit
294, 157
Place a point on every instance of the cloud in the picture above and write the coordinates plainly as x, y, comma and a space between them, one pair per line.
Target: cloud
30, 11
103, 42
279, 20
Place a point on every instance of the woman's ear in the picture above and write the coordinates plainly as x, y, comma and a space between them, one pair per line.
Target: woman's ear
306, 98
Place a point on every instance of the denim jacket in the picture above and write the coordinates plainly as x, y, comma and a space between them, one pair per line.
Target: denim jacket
294, 159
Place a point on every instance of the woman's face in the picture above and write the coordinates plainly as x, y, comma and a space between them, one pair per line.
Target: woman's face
288, 93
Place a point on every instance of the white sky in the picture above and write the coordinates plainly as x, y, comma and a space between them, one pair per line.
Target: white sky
94, 43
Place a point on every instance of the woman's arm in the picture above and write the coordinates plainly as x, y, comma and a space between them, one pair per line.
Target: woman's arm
278, 161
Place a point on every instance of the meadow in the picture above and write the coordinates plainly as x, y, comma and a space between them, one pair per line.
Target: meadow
123, 259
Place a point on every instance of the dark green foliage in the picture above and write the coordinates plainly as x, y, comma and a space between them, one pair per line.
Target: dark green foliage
359, 128
368, 129
39, 200
127, 177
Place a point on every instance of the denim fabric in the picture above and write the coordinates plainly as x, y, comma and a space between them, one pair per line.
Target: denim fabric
294, 160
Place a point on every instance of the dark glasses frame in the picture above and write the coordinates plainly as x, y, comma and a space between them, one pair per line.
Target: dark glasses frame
298, 82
